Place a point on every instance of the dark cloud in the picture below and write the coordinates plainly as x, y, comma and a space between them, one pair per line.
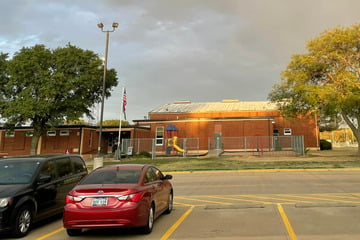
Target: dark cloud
199, 50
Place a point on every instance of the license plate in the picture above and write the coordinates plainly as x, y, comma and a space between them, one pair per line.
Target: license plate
99, 202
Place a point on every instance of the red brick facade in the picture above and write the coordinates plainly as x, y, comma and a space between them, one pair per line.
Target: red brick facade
204, 125
199, 125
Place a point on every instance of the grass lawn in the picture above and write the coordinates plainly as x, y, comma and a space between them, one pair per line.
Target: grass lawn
336, 158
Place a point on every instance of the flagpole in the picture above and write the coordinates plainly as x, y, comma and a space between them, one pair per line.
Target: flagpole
118, 150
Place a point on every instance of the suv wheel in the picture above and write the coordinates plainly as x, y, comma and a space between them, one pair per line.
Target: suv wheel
22, 222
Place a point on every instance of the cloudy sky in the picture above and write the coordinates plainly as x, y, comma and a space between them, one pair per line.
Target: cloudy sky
169, 50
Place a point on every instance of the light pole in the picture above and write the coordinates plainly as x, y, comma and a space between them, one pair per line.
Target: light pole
101, 26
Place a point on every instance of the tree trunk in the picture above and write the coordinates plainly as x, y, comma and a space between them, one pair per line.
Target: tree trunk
355, 130
34, 144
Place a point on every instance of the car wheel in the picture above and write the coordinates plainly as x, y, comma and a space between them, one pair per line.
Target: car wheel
170, 203
22, 221
150, 223
73, 231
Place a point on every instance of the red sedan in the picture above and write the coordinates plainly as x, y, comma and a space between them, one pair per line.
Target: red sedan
125, 195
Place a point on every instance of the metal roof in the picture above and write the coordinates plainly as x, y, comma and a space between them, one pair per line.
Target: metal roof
223, 106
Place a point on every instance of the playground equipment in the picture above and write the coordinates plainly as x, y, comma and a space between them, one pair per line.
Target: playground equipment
171, 133
175, 146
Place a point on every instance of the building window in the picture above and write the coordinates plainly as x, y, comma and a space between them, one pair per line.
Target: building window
159, 136
51, 133
64, 133
10, 134
287, 131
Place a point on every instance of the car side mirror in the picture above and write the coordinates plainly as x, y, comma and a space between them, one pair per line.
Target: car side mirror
44, 179
167, 177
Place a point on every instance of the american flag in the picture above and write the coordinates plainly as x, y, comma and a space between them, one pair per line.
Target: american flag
124, 103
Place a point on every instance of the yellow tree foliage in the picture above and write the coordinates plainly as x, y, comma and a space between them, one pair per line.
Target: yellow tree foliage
325, 79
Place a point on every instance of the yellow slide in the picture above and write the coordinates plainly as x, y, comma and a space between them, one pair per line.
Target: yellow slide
175, 146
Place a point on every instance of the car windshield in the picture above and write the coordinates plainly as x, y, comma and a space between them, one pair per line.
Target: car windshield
112, 177
16, 172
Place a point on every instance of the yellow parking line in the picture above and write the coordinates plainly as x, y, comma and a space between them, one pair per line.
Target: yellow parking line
189, 205
289, 196
241, 199
286, 201
286, 221
203, 200
176, 224
346, 196
341, 196
50, 234
313, 196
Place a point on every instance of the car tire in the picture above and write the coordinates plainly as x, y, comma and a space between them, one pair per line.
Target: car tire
170, 203
150, 222
73, 231
22, 222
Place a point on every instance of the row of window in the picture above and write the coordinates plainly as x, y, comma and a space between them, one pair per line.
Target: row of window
31, 133
159, 134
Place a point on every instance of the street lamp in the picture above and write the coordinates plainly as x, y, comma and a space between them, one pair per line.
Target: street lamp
101, 26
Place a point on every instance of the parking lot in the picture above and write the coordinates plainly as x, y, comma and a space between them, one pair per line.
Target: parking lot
250, 205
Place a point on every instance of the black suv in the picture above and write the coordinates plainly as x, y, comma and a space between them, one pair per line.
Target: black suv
34, 187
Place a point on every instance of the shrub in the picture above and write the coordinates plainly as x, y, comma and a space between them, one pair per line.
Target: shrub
325, 145
144, 154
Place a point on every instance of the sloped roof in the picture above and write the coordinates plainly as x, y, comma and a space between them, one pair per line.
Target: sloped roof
223, 106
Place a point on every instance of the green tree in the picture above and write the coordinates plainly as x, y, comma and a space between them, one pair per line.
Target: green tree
114, 122
47, 87
325, 79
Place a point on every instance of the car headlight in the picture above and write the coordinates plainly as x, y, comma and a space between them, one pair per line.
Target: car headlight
4, 202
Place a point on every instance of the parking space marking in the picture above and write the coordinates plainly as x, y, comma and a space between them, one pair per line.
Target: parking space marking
189, 205
344, 196
285, 199
240, 199
270, 198
339, 196
324, 199
51, 234
202, 200
286, 222
293, 198
176, 224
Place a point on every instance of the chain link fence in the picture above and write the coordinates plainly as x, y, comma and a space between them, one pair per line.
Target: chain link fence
188, 147
258, 145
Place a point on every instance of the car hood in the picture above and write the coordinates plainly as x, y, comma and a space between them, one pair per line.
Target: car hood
10, 190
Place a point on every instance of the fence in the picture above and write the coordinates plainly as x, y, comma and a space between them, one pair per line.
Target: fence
183, 147
258, 144
187, 147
